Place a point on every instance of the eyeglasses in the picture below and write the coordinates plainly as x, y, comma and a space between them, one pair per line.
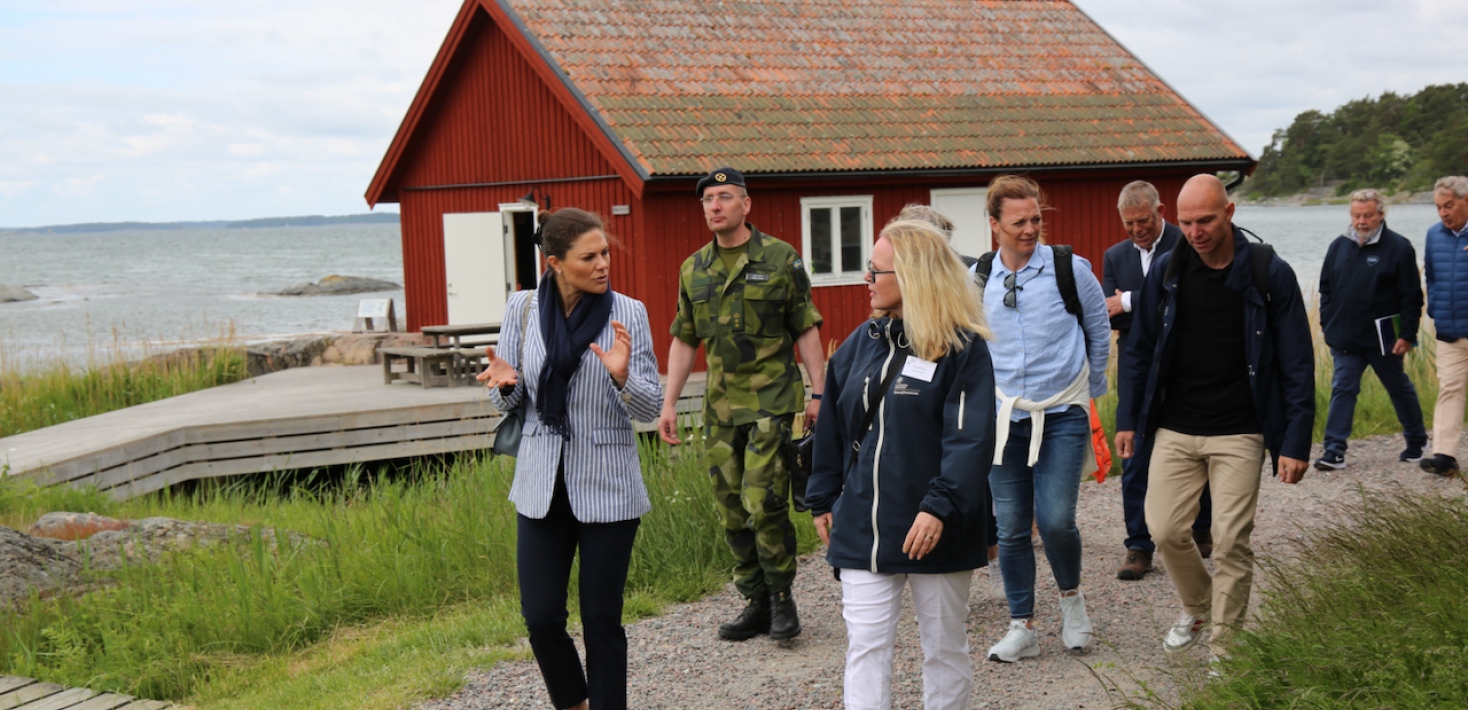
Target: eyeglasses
1012, 288
874, 272
723, 198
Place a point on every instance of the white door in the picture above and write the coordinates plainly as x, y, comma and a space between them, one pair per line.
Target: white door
474, 267
966, 207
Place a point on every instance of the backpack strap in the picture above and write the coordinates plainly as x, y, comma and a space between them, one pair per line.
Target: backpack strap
1065, 276
983, 266
1262, 254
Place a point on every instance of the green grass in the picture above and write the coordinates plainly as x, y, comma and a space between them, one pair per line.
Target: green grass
35, 398
412, 579
1372, 615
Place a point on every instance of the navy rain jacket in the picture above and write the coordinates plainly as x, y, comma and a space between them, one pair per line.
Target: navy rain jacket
1277, 348
929, 449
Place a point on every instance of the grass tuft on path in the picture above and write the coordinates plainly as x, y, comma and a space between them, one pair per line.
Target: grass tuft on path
1372, 614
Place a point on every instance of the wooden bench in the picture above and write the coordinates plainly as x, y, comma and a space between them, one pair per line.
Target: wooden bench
464, 335
431, 367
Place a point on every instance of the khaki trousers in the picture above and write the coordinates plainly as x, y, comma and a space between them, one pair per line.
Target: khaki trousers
1452, 377
1180, 466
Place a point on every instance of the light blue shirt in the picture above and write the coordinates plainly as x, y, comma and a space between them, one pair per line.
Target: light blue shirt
1039, 348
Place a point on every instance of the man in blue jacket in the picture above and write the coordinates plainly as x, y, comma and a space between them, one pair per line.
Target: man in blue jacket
1123, 268
1445, 262
1220, 369
1370, 306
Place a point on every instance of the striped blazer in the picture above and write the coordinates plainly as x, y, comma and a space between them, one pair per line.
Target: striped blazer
603, 474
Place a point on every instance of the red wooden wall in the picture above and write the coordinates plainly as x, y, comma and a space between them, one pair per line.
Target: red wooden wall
493, 121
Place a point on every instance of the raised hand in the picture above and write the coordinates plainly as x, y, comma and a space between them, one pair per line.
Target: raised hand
499, 373
619, 357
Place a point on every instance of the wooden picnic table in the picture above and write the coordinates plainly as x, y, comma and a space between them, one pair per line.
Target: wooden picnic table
464, 335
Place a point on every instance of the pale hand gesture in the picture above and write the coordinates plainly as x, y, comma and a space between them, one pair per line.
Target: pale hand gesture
619, 357
499, 373
1114, 306
926, 530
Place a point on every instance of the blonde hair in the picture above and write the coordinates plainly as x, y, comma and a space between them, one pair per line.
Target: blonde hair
939, 298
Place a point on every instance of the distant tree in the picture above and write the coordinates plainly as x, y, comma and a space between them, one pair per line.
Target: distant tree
1391, 142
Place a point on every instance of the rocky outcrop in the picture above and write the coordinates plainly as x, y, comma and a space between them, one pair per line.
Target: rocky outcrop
86, 542
29, 563
10, 294
361, 348
274, 356
335, 285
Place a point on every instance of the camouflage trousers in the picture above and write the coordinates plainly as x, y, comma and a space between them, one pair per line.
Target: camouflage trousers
751, 475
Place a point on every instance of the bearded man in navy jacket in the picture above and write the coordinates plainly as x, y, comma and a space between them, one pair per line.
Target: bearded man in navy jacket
1123, 268
1370, 274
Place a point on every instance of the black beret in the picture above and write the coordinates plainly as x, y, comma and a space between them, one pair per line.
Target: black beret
720, 176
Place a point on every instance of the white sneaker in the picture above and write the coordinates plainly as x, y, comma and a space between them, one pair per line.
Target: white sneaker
1184, 632
1076, 625
1020, 642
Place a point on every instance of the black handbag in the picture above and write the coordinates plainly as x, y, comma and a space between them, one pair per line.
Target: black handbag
512, 424
800, 469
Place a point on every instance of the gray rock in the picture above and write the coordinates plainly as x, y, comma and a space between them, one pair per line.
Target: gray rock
278, 355
337, 285
10, 294
32, 564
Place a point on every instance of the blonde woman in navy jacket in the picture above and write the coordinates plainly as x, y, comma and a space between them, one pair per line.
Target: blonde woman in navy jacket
588, 369
902, 502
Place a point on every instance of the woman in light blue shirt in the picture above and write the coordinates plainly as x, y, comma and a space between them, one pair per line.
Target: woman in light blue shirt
1048, 364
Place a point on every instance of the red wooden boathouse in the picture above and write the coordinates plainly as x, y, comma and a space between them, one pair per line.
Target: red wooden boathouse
838, 113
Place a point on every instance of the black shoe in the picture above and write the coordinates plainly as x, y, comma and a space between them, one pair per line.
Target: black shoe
753, 621
1331, 461
1440, 464
1411, 454
784, 621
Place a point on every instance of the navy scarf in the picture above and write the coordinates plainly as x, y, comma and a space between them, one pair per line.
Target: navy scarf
566, 339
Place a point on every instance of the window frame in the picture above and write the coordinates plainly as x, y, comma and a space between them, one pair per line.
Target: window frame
867, 238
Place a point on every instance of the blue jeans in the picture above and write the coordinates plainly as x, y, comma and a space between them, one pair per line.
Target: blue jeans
1346, 384
1134, 495
1045, 494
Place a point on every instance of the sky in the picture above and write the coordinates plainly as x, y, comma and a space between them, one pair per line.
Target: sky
181, 110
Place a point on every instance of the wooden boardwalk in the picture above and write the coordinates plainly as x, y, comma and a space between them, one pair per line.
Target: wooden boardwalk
27, 694
299, 418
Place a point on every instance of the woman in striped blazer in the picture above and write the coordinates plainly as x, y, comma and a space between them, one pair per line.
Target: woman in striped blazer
583, 363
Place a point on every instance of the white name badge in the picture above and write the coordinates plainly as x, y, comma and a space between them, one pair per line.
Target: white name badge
919, 369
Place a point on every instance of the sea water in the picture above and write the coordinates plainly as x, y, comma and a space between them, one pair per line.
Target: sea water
133, 290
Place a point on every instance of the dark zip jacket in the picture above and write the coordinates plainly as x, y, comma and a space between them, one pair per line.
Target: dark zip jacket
929, 450
1359, 284
1277, 348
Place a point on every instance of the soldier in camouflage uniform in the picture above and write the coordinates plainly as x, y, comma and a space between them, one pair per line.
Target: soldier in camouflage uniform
746, 297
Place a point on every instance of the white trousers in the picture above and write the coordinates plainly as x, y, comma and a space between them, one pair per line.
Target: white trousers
871, 604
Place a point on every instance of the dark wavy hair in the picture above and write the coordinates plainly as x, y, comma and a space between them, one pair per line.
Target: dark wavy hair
560, 229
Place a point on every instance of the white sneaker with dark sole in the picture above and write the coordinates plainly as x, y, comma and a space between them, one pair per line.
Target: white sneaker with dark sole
1020, 642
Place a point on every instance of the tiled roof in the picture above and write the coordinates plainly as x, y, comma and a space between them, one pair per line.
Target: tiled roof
829, 85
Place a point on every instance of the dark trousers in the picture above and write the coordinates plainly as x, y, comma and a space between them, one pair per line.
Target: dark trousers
545, 549
1134, 496
1346, 385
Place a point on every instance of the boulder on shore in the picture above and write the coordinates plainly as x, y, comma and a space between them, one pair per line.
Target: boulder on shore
9, 294
335, 285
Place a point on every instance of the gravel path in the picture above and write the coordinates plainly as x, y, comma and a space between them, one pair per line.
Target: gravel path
678, 661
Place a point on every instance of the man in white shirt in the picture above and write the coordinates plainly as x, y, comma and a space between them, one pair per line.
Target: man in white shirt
1123, 269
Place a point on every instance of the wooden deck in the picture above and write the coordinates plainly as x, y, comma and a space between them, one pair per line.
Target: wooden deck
298, 418
27, 694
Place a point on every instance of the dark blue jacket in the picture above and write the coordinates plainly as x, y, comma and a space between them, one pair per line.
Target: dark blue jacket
928, 450
1445, 264
1121, 270
1359, 284
1277, 348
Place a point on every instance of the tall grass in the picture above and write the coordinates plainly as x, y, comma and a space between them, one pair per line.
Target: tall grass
389, 549
33, 398
1372, 615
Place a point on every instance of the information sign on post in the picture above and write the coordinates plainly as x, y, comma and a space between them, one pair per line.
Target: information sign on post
376, 315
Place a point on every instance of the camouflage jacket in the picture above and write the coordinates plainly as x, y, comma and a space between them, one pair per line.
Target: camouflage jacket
747, 321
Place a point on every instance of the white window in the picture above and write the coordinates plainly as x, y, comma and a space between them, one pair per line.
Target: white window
967, 208
837, 238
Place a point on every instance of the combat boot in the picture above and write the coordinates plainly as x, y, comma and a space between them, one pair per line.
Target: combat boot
784, 621
753, 621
